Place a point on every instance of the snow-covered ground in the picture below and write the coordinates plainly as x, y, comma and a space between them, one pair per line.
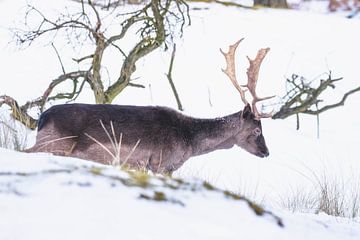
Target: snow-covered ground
308, 43
47, 197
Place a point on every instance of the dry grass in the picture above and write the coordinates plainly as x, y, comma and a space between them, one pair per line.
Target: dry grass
251, 192
338, 196
299, 200
115, 152
12, 135
332, 194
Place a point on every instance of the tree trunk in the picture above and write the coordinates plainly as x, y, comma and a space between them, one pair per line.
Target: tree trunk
96, 81
271, 3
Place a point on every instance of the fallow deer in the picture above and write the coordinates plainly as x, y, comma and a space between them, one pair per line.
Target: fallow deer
153, 138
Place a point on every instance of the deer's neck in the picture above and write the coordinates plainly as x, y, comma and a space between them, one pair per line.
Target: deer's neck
212, 134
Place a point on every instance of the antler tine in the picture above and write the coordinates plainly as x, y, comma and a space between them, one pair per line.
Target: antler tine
253, 74
230, 68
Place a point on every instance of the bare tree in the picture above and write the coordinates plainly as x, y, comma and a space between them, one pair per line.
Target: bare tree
156, 22
303, 97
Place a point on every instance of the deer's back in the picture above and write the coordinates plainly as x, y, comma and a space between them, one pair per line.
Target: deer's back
151, 124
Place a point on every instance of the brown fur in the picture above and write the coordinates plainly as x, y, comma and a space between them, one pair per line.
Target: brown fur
165, 137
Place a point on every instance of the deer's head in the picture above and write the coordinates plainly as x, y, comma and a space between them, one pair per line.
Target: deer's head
250, 136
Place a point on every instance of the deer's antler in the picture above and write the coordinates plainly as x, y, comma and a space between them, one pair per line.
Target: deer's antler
230, 68
252, 73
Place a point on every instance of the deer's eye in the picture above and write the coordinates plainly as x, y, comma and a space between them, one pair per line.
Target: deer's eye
257, 132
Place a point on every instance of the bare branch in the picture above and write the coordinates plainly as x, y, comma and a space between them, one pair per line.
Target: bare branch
98, 22
20, 113
146, 45
17, 112
158, 20
83, 58
58, 56
302, 98
338, 104
169, 77
63, 22
127, 24
120, 50
136, 85
74, 76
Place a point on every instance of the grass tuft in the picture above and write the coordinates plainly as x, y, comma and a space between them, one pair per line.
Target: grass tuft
139, 178
115, 152
95, 170
12, 136
335, 195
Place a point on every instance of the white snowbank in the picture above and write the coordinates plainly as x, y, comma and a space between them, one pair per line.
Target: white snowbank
47, 197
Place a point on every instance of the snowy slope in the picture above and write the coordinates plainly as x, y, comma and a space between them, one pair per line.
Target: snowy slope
47, 197
76, 202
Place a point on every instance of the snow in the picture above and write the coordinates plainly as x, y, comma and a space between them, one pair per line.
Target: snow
48, 197
308, 42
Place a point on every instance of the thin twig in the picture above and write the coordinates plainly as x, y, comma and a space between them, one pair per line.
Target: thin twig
100, 144
131, 152
44, 144
169, 77
59, 58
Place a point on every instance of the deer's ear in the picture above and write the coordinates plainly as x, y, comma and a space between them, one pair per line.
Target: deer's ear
247, 113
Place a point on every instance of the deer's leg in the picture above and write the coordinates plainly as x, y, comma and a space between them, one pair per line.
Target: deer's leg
155, 162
